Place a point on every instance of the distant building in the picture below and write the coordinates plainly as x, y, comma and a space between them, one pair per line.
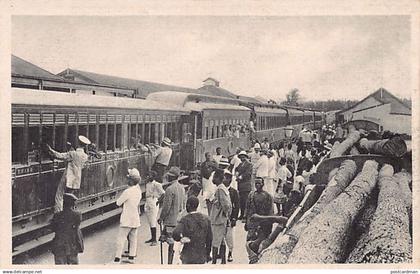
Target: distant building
211, 82
381, 108
27, 75
139, 88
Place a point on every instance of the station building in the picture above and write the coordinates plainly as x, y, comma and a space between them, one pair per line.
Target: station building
381, 108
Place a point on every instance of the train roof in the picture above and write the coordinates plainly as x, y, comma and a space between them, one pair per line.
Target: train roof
52, 98
196, 102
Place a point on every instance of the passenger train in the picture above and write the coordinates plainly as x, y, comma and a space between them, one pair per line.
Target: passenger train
195, 123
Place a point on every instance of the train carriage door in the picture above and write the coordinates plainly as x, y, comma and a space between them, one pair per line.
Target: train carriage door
187, 142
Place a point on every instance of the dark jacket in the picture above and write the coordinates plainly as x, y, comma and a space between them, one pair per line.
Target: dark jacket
68, 238
244, 176
174, 202
197, 227
234, 198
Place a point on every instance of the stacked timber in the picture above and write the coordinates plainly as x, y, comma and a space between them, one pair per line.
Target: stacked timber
357, 219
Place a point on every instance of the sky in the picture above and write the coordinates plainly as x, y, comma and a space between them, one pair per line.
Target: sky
325, 57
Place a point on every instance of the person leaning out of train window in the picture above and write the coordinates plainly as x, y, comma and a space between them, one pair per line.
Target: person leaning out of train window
154, 193
68, 239
129, 219
243, 177
162, 156
194, 231
173, 206
72, 176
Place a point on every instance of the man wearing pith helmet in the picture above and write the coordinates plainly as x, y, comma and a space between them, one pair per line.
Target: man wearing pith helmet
72, 176
130, 219
163, 155
174, 202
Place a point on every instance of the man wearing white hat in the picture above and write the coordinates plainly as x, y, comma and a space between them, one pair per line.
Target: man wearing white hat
163, 155
130, 219
72, 176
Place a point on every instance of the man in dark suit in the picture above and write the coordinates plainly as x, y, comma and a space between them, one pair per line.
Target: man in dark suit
68, 240
243, 177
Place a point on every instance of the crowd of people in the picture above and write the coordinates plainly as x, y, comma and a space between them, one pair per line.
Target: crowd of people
201, 216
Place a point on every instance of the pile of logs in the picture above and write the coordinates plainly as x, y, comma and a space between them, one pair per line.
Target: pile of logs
359, 218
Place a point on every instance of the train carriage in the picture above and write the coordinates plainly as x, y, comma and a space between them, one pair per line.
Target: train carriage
116, 125
271, 121
211, 124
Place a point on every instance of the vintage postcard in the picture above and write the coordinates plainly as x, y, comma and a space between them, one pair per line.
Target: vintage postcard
242, 135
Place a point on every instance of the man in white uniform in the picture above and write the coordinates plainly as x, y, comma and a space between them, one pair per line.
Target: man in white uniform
130, 219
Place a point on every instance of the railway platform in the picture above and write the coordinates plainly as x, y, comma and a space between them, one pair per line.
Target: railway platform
100, 247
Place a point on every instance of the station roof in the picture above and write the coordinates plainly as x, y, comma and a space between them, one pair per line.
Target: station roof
143, 87
23, 68
23, 96
385, 97
216, 91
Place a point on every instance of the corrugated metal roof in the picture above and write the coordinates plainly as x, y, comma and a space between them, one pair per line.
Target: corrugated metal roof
23, 68
144, 87
216, 91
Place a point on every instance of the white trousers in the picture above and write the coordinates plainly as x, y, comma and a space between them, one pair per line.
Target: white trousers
268, 185
152, 211
123, 232
229, 238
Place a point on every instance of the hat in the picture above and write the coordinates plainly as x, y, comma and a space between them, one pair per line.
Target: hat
243, 153
70, 196
84, 140
224, 161
133, 173
174, 171
167, 141
257, 146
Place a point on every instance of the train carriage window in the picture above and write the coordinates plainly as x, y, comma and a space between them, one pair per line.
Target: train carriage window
152, 133
118, 137
102, 138
168, 130
33, 144
110, 137
72, 135
60, 141
92, 134
83, 130
175, 129
47, 138
134, 136
18, 147
146, 137
158, 133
